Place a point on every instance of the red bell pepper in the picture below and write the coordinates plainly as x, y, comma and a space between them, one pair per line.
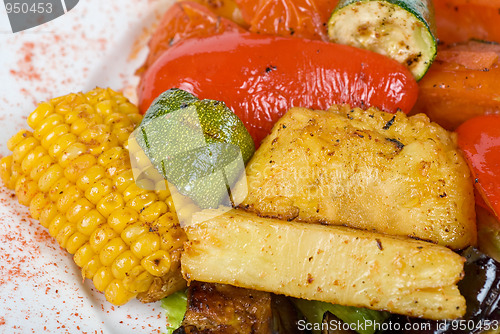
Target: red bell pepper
479, 139
261, 77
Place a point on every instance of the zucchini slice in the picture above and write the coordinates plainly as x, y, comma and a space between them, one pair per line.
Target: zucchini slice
401, 29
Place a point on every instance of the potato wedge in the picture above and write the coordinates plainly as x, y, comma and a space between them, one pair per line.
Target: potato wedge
369, 169
327, 263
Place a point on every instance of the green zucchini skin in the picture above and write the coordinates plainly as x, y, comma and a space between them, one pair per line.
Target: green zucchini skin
199, 146
421, 10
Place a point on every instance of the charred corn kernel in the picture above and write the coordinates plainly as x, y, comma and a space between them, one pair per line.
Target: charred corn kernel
56, 225
90, 177
146, 244
68, 196
123, 264
38, 202
31, 159
102, 278
83, 255
90, 222
101, 237
53, 135
153, 211
74, 172
50, 177
78, 166
61, 144
111, 202
141, 202
75, 241
25, 189
117, 294
138, 280
111, 250
23, 148
158, 263
78, 210
40, 167
39, 114
65, 232
101, 188
134, 231
121, 218
48, 214
46, 125
91, 267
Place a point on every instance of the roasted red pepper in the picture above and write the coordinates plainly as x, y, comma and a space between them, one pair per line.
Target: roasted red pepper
261, 77
479, 139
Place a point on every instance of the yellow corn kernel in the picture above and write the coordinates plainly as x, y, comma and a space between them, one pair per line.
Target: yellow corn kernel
153, 211
79, 210
134, 231
118, 165
39, 114
46, 125
145, 245
83, 255
70, 116
58, 188
114, 118
170, 203
98, 94
102, 278
141, 202
37, 204
100, 237
105, 108
123, 180
132, 191
72, 152
62, 143
63, 108
53, 135
89, 269
50, 177
98, 190
40, 167
123, 264
78, 166
80, 125
108, 156
23, 148
91, 176
121, 218
75, 241
69, 196
16, 139
111, 202
138, 280
117, 294
48, 214
162, 193
65, 232
31, 159
145, 183
6, 169
158, 263
174, 239
25, 189
111, 250
56, 225
90, 222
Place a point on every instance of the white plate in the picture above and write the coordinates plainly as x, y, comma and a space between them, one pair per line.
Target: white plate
98, 43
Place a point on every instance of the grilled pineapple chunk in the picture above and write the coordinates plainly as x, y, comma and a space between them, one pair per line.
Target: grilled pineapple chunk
366, 169
327, 263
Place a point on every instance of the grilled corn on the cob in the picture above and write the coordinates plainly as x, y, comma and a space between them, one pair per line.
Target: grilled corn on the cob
73, 171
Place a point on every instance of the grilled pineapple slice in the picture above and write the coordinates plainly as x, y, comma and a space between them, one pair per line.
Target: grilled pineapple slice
366, 169
327, 263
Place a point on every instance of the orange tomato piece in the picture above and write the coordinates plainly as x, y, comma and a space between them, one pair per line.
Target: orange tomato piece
225, 8
479, 139
461, 83
295, 18
183, 20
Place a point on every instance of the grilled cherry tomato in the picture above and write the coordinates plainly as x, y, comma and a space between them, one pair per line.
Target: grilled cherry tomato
479, 139
261, 77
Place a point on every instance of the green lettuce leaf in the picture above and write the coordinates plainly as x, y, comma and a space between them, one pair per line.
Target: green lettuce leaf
175, 306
